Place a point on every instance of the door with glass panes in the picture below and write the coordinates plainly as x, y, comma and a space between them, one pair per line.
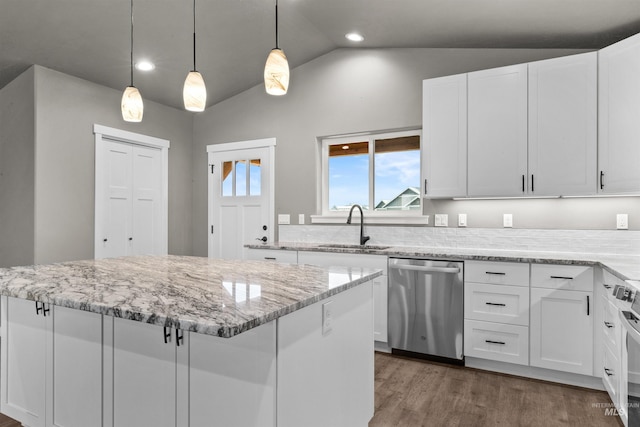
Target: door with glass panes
241, 204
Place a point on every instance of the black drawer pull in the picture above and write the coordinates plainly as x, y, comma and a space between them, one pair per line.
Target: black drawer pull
608, 324
494, 342
495, 273
179, 337
495, 303
167, 335
45, 310
39, 308
588, 305
270, 258
606, 286
562, 277
608, 372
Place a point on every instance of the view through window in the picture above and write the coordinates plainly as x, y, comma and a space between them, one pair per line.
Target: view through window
379, 172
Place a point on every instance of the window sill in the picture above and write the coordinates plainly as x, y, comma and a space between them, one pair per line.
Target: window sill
373, 219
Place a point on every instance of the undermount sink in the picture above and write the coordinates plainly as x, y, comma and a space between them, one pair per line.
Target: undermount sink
343, 246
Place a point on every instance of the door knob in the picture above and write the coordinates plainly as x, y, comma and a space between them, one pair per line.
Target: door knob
263, 238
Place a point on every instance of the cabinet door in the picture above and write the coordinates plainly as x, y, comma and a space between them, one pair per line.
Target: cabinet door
74, 370
497, 131
618, 124
24, 337
444, 130
562, 330
144, 375
563, 125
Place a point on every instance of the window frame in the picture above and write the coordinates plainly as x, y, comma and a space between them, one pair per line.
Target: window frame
396, 216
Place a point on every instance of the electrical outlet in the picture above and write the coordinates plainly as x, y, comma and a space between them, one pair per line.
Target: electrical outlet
442, 220
462, 220
284, 219
622, 221
327, 318
507, 220
301, 219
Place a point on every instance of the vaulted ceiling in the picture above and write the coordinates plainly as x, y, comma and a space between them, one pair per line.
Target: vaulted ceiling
90, 38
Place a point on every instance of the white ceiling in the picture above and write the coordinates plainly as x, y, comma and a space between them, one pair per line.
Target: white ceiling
90, 38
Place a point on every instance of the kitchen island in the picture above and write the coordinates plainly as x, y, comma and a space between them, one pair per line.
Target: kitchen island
165, 341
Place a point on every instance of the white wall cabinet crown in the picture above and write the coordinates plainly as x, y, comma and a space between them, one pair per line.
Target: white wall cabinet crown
618, 124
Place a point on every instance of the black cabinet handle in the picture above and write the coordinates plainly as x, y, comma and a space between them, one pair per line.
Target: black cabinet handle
523, 183
588, 304
601, 180
608, 372
425, 187
45, 310
39, 307
562, 277
495, 273
608, 324
270, 258
130, 238
497, 304
606, 286
495, 342
532, 187
167, 335
179, 337
104, 240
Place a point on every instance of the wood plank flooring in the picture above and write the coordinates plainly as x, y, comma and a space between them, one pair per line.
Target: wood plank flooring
415, 393
412, 393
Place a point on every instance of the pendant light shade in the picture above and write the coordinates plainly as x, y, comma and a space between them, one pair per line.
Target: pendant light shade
132, 106
194, 92
276, 73
276, 70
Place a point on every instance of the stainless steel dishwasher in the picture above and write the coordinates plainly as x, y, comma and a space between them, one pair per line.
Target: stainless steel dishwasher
426, 308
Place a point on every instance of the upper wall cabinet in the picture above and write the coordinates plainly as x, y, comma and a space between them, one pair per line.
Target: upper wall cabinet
619, 126
497, 131
562, 126
444, 153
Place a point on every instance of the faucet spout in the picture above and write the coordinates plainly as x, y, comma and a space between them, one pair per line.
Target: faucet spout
363, 238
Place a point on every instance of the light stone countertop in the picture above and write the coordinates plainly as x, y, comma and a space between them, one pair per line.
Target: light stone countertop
209, 296
623, 266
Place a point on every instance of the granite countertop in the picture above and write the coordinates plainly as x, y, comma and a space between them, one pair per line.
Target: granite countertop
209, 296
623, 266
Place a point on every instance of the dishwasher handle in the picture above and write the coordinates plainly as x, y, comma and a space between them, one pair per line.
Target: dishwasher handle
450, 270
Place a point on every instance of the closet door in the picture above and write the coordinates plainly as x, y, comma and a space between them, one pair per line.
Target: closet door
146, 233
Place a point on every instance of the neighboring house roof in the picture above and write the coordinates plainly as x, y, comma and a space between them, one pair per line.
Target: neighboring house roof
407, 199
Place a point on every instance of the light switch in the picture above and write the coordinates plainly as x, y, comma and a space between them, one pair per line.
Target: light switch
462, 220
622, 221
442, 220
327, 318
284, 219
507, 221
301, 219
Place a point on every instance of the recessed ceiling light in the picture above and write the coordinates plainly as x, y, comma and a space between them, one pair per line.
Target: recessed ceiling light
354, 37
345, 147
145, 66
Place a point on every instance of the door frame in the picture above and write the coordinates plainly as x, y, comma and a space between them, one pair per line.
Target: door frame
105, 133
269, 143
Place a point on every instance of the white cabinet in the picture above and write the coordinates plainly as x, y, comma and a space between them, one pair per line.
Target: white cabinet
563, 125
131, 212
144, 374
51, 364
496, 341
290, 257
497, 131
618, 124
380, 284
561, 320
444, 133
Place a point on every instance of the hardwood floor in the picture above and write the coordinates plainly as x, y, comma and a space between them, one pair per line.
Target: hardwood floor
414, 393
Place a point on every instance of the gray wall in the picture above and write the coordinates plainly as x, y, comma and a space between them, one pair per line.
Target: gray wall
17, 171
66, 109
355, 90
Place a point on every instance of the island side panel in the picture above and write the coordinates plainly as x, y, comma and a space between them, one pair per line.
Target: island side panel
327, 379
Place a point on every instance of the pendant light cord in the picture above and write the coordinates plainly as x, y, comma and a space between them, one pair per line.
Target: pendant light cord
131, 42
194, 35
277, 37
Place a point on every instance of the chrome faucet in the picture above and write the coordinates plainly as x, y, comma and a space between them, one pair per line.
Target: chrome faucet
363, 238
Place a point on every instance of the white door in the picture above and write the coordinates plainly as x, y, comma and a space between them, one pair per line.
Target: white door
131, 197
241, 178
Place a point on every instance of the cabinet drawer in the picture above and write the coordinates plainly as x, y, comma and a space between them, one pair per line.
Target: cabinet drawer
327, 259
609, 282
290, 257
611, 375
611, 327
497, 273
497, 303
496, 341
567, 277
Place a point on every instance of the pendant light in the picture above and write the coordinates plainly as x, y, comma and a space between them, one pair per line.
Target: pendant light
132, 106
194, 92
276, 70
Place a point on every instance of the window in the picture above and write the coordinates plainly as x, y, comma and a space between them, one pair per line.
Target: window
380, 172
